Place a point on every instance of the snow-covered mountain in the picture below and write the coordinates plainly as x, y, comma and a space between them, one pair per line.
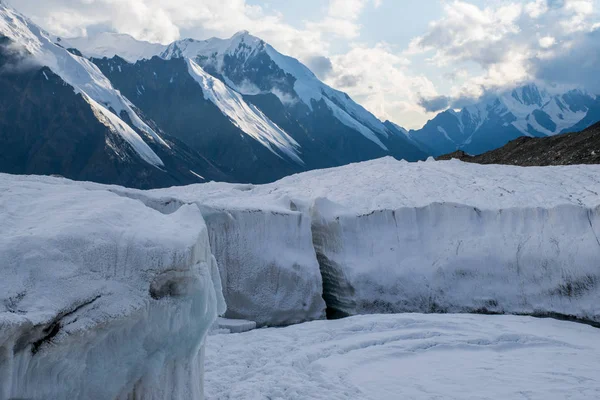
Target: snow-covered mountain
108, 44
61, 115
271, 98
147, 115
531, 110
253, 67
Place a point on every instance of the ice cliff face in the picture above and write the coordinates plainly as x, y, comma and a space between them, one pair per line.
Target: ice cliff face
390, 236
265, 254
268, 267
457, 258
101, 296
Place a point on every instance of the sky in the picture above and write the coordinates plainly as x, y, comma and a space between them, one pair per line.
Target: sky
404, 60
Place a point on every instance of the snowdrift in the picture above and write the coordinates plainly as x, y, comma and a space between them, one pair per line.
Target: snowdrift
391, 236
101, 296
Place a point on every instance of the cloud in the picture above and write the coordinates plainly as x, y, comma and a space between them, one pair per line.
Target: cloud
15, 59
510, 43
320, 65
341, 18
165, 21
379, 78
347, 81
576, 63
435, 104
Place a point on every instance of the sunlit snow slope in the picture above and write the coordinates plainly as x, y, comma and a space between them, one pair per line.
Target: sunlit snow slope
85, 78
245, 116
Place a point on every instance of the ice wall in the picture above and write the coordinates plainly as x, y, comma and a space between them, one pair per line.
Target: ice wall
268, 265
455, 258
391, 236
101, 296
264, 250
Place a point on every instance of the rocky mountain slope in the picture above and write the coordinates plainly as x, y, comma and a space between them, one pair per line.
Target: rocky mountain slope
572, 148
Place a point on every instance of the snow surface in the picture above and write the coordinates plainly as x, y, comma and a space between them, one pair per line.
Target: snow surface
245, 116
386, 183
410, 356
84, 77
101, 297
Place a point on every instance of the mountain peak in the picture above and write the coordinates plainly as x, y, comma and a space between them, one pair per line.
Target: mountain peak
241, 33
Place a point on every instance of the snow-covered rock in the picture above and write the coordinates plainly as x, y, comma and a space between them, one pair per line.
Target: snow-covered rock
243, 115
235, 325
534, 110
101, 297
410, 356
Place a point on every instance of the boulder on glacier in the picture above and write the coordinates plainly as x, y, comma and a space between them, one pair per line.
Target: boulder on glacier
101, 297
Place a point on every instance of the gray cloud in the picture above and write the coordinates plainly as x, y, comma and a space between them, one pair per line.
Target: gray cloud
555, 4
347, 81
434, 104
15, 59
320, 65
578, 65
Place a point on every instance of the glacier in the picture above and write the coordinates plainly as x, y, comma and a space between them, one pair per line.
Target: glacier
121, 286
101, 296
390, 236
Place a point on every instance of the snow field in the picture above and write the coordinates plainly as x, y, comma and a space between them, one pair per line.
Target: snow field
410, 356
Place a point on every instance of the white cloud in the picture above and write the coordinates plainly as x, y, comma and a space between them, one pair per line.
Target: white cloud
547, 42
341, 18
381, 81
510, 42
164, 21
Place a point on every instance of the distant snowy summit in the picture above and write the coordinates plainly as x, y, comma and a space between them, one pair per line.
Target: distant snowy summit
532, 110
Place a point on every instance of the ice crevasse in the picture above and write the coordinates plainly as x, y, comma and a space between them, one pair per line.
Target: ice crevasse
101, 296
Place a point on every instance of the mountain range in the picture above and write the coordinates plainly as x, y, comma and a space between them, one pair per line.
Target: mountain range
531, 110
221, 109
113, 109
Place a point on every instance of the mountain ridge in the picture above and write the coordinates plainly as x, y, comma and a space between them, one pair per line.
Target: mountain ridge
529, 110
197, 120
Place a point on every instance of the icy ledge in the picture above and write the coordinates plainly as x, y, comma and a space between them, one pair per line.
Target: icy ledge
101, 297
